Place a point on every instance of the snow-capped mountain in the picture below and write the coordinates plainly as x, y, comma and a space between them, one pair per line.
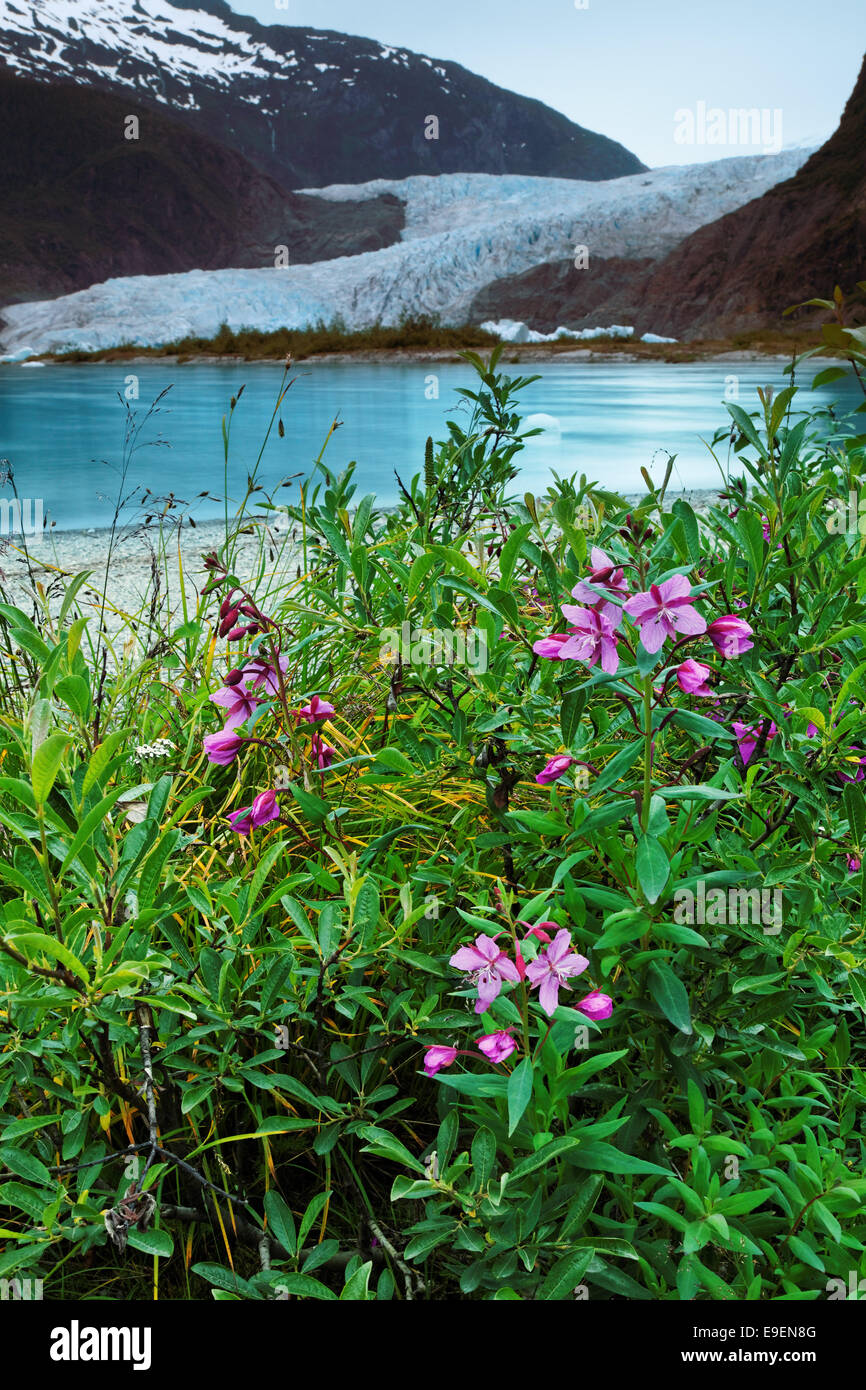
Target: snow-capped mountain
307, 106
462, 232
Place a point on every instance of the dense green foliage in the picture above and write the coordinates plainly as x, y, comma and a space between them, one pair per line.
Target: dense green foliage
213, 1043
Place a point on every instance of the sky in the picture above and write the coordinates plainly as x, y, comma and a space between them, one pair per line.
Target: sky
630, 69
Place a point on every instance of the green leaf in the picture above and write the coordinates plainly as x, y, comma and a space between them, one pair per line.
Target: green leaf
30, 943
421, 567
519, 1092
600, 1157
303, 1286
510, 552
483, 1155
357, 1288
280, 1221
46, 765
669, 993
151, 1242
24, 1165
566, 1274
652, 867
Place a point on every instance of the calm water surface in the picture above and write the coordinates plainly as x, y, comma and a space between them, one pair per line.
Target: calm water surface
63, 427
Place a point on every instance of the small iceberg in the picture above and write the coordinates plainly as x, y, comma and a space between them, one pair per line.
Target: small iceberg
20, 355
513, 331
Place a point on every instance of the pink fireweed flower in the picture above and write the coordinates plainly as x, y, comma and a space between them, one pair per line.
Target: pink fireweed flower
322, 753
603, 574
853, 864
316, 709
488, 967
435, 1058
692, 678
663, 611
596, 1006
496, 1046
592, 637
265, 808
222, 748
551, 646
729, 636
237, 703
554, 769
241, 821
747, 738
262, 675
551, 969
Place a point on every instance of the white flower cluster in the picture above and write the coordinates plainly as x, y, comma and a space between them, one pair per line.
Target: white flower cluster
160, 749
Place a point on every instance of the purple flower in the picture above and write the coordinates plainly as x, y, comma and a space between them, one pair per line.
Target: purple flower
552, 967
604, 574
265, 808
596, 1006
258, 674
692, 678
853, 864
237, 702
241, 821
316, 709
664, 610
729, 636
747, 738
551, 646
323, 753
435, 1058
496, 1046
222, 748
488, 966
554, 769
592, 636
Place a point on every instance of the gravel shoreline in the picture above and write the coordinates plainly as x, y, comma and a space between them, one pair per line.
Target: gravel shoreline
66, 553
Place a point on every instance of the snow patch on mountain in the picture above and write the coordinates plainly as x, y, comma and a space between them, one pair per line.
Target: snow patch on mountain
463, 231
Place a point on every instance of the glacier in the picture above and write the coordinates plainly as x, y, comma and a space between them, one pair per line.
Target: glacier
462, 232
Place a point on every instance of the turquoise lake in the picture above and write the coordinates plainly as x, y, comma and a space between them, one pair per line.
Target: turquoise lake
62, 427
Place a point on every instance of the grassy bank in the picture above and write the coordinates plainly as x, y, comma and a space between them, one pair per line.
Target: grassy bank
421, 336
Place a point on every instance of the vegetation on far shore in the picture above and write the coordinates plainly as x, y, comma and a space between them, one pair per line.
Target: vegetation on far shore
426, 334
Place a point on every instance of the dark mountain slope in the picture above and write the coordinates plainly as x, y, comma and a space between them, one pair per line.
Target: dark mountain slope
79, 203
309, 106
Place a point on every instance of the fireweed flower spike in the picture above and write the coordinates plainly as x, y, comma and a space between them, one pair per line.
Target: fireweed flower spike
692, 678
593, 636
496, 1046
435, 1058
222, 748
729, 636
663, 611
596, 1006
488, 966
552, 968
554, 769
